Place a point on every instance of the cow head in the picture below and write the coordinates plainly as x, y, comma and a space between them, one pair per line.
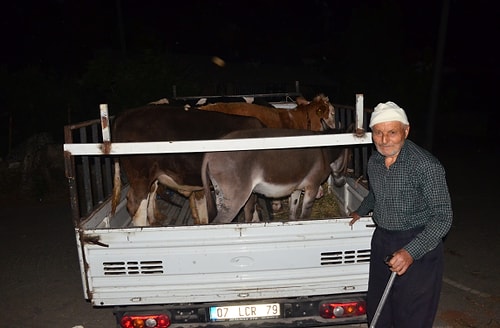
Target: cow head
321, 108
325, 110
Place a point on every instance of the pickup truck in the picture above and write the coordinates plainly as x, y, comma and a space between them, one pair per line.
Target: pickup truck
308, 273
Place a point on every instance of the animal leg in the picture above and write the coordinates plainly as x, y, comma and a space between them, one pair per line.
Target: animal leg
228, 207
337, 167
263, 209
140, 217
308, 202
198, 205
225, 215
137, 202
117, 185
320, 193
294, 204
251, 214
152, 208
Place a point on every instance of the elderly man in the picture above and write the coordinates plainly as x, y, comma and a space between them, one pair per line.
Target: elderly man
411, 207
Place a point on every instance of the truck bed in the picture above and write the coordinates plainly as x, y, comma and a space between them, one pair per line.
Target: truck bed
127, 265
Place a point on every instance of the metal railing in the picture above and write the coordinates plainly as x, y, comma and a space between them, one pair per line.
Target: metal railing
90, 177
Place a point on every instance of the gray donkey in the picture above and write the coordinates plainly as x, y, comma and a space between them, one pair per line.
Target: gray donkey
275, 173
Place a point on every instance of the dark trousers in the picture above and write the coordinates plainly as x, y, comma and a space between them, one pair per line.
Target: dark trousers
414, 297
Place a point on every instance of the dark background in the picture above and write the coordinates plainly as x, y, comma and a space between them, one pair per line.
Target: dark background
61, 58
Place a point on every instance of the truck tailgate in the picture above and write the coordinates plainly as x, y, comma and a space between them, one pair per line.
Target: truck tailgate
211, 263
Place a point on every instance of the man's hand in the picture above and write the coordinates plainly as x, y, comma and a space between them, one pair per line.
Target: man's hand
355, 217
400, 262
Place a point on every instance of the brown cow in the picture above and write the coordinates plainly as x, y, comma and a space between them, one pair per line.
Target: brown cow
180, 171
274, 173
308, 115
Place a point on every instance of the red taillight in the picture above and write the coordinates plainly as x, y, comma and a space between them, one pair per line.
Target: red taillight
145, 321
330, 310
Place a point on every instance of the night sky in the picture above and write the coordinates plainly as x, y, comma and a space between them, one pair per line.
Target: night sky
65, 32
355, 40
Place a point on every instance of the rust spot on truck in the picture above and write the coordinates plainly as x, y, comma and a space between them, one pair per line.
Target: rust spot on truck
106, 147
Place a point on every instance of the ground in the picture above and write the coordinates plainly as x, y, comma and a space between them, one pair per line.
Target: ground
41, 285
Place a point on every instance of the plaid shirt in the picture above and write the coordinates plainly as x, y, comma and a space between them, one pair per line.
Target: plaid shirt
411, 193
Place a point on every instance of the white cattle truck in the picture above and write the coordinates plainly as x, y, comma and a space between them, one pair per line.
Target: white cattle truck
308, 273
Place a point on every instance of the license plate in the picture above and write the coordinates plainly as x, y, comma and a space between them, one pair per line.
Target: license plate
244, 312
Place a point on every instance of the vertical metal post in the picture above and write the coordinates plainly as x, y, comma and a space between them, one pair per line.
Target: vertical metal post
87, 187
359, 114
97, 168
70, 169
106, 135
106, 138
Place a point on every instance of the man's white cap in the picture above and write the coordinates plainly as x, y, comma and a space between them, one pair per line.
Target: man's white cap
387, 112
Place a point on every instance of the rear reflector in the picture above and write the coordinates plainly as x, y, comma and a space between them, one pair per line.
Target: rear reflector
145, 321
331, 310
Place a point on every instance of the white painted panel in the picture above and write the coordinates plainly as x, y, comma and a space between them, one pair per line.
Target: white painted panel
121, 148
228, 262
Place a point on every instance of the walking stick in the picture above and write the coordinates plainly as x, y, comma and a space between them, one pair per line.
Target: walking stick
388, 287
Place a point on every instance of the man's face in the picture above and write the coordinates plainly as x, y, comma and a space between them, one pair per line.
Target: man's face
389, 137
